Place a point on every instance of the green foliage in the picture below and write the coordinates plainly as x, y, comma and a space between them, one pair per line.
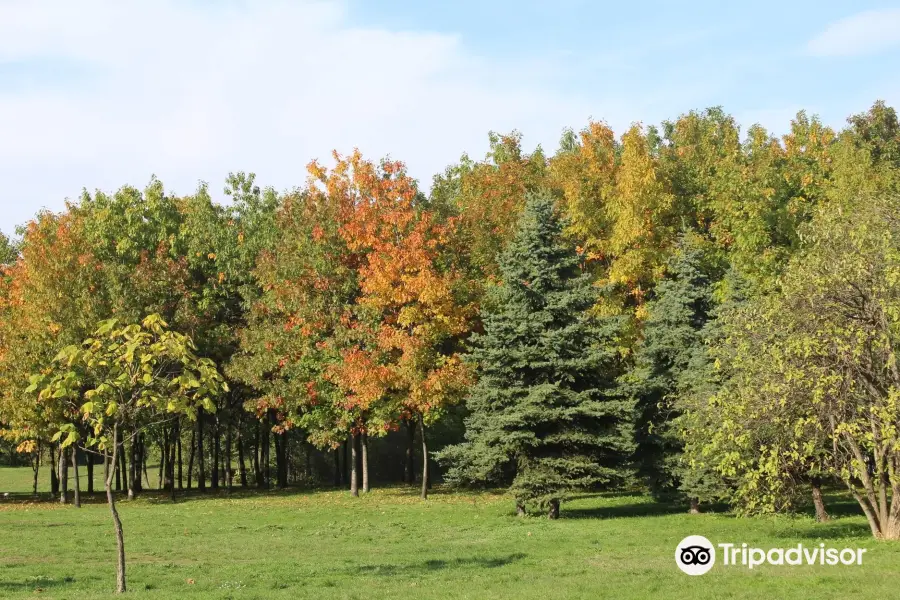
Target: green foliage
809, 383
122, 379
8, 250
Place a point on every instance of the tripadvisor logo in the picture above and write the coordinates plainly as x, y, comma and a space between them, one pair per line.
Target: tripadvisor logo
696, 555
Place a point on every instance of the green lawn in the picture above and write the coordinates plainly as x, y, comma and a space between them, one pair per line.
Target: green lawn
389, 544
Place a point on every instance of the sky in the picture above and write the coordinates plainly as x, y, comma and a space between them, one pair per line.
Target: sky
97, 94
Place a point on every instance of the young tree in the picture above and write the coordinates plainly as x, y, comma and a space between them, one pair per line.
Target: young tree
119, 382
546, 405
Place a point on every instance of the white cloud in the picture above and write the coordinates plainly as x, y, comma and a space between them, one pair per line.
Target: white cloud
189, 93
867, 32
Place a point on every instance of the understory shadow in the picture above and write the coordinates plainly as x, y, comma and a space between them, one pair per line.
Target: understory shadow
838, 506
437, 565
636, 510
156, 496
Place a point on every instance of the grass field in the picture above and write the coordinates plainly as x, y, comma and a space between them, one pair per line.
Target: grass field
389, 544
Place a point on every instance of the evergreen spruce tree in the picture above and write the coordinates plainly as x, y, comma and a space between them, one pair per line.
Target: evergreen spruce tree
672, 347
547, 411
693, 416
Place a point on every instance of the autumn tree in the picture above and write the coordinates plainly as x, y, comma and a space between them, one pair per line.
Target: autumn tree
413, 304
50, 294
305, 285
487, 197
351, 335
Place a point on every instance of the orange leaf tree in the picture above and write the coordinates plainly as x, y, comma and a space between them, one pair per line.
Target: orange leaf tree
413, 304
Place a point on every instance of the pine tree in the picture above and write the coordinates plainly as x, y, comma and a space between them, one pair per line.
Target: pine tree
547, 411
664, 358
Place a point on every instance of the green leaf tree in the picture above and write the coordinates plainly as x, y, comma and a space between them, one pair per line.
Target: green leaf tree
121, 380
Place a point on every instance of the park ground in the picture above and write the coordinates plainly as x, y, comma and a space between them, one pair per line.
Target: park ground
390, 544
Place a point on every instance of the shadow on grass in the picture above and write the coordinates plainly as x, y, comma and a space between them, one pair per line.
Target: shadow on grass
627, 493
830, 530
438, 565
35, 584
635, 510
839, 506
155, 496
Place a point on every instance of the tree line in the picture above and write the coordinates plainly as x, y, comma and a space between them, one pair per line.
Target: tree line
707, 314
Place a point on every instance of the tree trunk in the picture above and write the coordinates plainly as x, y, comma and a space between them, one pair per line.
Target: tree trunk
410, 474
63, 477
118, 472
90, 472
77, 497
257, 458
354, 470
180, 462
54, 471
242, 468
553, 513
818, 502
172, 447
337, 467
365, 462
267, 448
215, 456
170, 473
891, 531
143, 460
36, 467
190, 469
520, 508
280, 460
345, 472
137, 463
280, 442
228, 477
424, 459
695, 506
117, 523
201, 474
129, 467
286, 452
162, 480
36, 461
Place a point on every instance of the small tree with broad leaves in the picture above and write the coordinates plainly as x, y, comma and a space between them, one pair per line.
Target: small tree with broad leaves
124, 379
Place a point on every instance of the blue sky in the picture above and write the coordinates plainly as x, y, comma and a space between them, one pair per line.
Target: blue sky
101, 93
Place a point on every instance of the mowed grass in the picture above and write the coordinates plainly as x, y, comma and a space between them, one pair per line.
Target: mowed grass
390, 544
